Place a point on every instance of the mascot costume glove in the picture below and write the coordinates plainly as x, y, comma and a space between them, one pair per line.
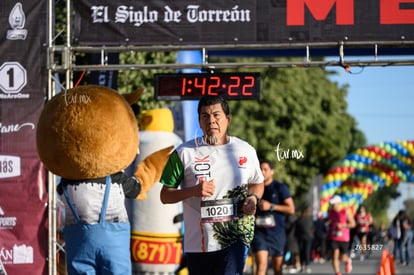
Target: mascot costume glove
88, 135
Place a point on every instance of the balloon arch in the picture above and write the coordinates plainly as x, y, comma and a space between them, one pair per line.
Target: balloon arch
370, 168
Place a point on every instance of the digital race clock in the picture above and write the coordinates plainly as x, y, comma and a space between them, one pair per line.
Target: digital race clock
193, 86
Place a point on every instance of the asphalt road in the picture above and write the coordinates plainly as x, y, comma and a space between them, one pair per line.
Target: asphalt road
369, 266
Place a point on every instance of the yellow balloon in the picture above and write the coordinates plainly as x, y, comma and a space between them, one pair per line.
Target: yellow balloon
329, 178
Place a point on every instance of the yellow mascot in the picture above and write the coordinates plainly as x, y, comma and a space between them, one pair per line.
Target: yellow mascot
156, 234
88, 135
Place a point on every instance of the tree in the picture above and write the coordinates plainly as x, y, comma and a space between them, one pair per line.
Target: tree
130, 80
409, 207
300, 123
378, 203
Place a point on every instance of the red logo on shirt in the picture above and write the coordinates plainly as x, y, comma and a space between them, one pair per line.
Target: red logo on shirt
242, 161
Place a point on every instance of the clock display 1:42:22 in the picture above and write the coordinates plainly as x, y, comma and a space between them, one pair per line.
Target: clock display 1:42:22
193, 86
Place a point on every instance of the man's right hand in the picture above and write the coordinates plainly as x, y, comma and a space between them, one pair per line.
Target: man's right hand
205, 188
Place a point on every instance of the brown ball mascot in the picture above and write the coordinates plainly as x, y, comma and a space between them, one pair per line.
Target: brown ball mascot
88, 135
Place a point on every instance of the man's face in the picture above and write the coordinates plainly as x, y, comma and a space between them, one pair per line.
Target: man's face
266, 171
214, 123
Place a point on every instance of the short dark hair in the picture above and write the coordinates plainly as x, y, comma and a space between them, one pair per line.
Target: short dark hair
209, 100
271, 165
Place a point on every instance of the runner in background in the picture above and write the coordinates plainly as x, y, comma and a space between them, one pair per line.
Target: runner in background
270, 232
363, 221
340, 222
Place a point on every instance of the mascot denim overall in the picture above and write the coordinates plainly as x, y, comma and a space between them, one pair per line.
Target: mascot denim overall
97, 249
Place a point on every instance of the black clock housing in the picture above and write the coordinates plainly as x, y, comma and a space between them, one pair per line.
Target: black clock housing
182, 86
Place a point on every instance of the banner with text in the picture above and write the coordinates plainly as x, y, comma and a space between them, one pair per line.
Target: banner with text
23, 189
217, 22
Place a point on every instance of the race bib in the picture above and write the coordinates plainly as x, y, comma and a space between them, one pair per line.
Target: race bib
265, 221
362, 230
218, 210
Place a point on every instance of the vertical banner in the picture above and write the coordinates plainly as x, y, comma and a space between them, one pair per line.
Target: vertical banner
23, 192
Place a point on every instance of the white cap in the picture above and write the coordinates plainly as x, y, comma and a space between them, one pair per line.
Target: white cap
335, 199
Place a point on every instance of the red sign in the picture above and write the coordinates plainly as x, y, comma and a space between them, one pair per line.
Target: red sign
155, 249
391, 11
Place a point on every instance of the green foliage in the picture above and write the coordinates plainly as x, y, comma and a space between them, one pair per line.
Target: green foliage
409, 207
300, 123
228, 233
60, 22
130, 80
378, 203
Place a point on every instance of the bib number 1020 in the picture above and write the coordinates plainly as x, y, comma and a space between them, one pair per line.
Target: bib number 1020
218, 210
13, 77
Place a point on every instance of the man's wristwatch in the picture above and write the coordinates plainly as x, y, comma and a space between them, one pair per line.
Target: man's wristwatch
254, 195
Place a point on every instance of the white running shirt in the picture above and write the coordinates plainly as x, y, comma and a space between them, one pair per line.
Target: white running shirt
232, 166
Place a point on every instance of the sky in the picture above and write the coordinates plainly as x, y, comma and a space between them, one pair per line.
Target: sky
381, 99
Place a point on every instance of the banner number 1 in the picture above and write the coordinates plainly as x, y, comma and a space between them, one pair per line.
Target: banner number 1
13, 77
